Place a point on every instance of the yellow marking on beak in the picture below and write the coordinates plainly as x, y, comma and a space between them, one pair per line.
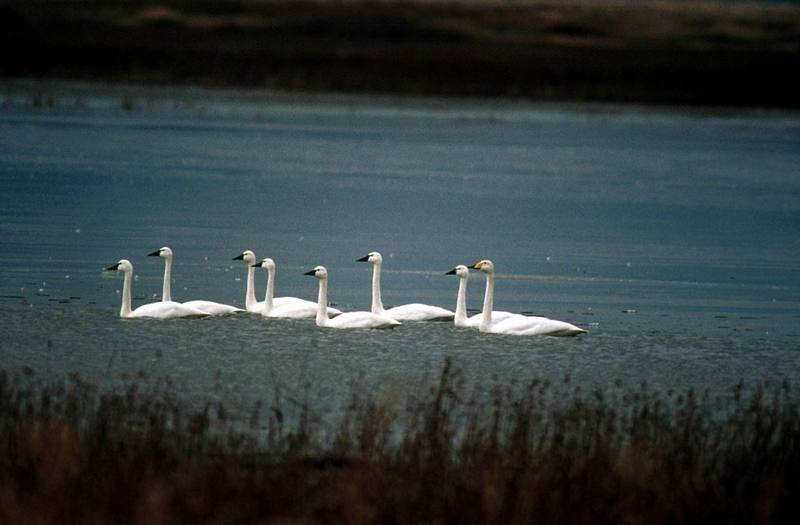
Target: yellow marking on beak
477, 265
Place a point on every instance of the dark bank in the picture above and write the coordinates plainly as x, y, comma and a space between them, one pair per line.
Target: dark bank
653, 52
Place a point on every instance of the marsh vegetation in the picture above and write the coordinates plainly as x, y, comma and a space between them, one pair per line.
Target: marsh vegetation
540, 453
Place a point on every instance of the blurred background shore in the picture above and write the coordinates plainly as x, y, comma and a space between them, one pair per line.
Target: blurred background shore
667, 52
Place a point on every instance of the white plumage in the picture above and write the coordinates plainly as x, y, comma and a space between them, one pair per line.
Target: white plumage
210, 307
346, 319
159, 310
517, 324
406, 312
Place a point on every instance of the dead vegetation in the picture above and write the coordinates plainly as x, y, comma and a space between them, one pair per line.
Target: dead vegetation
546, 453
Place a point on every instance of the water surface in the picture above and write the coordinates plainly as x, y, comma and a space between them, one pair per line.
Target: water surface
670, 234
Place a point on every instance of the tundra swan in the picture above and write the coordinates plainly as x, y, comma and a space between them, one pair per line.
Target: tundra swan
347, 319
159, 310
286, 307
250, 303
517, 324
406, 312
461, 320
210, 307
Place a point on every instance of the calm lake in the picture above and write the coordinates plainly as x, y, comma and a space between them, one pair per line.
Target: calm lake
671, 235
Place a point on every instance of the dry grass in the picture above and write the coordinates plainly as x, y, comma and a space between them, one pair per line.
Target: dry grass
678, 52
548, 453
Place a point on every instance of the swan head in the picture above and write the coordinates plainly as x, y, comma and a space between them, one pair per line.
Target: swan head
460, 270
246, 256
124, 265
319, 272
164, 252
373, 257
486, 266
267, 264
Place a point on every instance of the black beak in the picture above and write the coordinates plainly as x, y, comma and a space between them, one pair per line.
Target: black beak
112, 268
363, 259
154, 254
312, 272
239, 257
257, 265
451, 272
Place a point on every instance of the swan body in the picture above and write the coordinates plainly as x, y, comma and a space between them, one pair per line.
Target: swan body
250, 303
287, 307
461, 320
158, 310
406, 312
347, 319
517, 324
210, 307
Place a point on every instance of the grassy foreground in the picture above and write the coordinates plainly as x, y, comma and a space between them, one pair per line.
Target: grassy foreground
74, 454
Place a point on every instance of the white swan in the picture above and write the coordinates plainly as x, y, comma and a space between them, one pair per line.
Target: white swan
461, 320
286, 307
347, 319
159, 310
517, 324
406, 312
210, 307
250, 303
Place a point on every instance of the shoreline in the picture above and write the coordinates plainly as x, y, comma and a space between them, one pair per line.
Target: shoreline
730, 56
57, 93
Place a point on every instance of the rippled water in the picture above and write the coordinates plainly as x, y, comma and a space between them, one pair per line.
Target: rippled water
671, 235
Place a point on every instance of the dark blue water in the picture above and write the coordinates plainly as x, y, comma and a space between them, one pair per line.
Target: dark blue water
671, 235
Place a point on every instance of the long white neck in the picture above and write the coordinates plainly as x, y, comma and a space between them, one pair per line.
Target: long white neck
125, 310
488, 301
377, 304
322, 303
461, 303
250, 298
270, 290
166, 292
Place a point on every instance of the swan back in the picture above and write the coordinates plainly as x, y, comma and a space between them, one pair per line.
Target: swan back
419, 312
530, 325
361, 320
167, 310
212, 308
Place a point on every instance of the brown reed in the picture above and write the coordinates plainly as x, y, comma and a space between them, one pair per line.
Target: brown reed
73, 453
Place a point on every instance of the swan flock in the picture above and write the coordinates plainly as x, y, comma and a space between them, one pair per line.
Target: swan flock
487, 321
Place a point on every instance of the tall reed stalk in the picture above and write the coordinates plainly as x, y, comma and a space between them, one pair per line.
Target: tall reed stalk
72, 453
